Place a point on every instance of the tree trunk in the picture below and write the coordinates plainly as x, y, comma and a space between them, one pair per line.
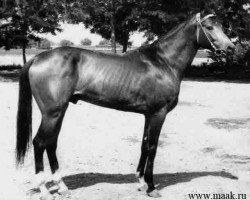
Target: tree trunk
113, 39
24, 53
125, 44
124, 47
4, 5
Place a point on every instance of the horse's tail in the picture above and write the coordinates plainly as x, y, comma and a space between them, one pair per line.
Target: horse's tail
24, 114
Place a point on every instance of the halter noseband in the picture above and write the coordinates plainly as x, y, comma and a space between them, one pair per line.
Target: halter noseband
199, 21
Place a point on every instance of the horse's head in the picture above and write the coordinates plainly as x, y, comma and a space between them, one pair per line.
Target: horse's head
211, 36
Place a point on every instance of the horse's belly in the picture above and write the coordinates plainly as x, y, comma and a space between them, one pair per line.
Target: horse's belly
111, 98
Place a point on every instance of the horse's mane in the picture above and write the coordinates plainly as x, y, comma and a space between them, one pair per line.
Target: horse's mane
150, 49
172, 32
169, 34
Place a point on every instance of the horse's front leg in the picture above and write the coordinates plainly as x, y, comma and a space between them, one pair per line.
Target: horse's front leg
156, 121
144, 155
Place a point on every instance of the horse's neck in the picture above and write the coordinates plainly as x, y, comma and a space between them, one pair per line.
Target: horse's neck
178, 49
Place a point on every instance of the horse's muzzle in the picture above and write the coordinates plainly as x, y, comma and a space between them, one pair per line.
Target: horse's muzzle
231, 49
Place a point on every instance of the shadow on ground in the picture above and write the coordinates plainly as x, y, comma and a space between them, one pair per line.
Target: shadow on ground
162, 180
218, 79
230, 123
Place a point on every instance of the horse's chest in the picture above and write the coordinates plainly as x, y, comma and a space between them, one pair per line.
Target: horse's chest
163, 93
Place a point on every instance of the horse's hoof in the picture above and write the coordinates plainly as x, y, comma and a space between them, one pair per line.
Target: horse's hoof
47, 197
143, 187
64, 193
154, 194
53, 189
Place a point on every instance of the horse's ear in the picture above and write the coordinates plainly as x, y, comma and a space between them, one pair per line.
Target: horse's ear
206, 11
203, 13
198, 17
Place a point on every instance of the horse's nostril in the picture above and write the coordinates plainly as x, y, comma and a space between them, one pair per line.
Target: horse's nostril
230, 49
218, 51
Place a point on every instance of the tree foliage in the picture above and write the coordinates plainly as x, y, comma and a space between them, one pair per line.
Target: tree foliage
159, 16
113, 19
27, 18
235, 17
153, 17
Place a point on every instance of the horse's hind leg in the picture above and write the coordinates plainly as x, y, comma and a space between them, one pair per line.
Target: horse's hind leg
57, 178
46, 139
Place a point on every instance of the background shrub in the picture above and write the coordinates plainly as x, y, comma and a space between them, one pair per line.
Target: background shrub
66, 43
44, 44
86, 42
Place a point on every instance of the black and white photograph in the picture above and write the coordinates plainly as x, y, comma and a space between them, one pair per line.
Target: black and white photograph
124, 99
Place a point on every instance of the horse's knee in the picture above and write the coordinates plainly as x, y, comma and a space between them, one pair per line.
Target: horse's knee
38, 143
49, 143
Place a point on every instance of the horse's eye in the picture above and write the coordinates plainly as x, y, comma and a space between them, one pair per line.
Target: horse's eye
209, 28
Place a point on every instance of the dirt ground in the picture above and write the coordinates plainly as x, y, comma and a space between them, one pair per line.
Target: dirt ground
204, 147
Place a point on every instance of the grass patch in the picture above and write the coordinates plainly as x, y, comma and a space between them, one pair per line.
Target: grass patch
18, 52
9, 67
9, 72
208, 72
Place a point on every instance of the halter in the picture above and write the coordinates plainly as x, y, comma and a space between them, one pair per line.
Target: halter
199, 21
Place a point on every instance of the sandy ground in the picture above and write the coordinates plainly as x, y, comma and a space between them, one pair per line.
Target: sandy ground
204, 147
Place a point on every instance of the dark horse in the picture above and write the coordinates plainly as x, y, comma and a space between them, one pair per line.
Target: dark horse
146, 80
